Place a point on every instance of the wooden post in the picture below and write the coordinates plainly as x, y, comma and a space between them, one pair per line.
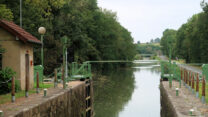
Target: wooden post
27, 75
184, 76
55, 78
187, 77
193, 83
197, 85
190, 79
181, 74
13, 89
203, 90
37, 83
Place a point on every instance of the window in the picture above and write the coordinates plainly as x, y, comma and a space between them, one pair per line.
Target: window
0, 61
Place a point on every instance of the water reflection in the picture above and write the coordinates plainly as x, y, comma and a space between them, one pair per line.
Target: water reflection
132, 92
112, 92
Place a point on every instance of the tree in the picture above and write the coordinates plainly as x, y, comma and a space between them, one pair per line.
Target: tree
168, 41
5, 13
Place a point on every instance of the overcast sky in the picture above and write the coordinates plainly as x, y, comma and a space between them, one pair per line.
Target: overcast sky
147, 19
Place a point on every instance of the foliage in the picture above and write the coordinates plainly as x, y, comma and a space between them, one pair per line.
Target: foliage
138, 57
5, 13
168, 41
2, 50
5, 80
93, 33
148, 48
190, 42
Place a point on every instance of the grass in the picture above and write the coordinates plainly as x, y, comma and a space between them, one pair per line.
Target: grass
7, 97
42, 85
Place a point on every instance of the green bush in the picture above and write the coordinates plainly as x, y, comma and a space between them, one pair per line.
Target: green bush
5, 80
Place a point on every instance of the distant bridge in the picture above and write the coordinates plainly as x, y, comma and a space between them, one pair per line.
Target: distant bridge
146, 55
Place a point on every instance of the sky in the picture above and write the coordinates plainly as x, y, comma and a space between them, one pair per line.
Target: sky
147, 19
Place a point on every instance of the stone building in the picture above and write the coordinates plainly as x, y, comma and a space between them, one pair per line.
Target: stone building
18, 55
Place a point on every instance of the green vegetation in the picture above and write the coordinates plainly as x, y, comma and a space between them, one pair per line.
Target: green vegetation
189, 42
5, 13
93, 33
44, 85
148, 48
5, 81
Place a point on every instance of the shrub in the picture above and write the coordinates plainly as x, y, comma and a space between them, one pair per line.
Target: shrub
5, 80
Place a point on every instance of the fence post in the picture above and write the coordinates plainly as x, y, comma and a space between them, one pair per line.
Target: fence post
27, 87
13, 89
186, 79
37, 83
193, 83
189, 80
181, 79
197, 85
55, 78
203, 90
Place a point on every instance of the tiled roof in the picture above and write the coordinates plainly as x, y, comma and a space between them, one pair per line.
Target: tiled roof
19, 32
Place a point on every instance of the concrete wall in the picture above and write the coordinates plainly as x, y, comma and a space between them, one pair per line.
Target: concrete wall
14, 57
70, 103
167, 109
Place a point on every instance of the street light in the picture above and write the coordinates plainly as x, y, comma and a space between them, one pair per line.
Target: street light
42, 31
170, 67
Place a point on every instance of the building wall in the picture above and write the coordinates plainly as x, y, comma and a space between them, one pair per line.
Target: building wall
14, 56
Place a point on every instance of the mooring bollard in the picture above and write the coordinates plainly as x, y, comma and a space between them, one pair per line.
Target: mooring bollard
193, 83
13, 89
37, 83
45, 92
191, 112
1, 113
177, 91
55, 78
197, 85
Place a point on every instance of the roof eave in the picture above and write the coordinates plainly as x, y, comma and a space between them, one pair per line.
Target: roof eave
34, 42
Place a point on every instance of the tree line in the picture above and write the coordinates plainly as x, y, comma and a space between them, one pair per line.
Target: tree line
190, 41
93, 33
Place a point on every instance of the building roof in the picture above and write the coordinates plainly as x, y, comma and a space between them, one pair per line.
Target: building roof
19, 32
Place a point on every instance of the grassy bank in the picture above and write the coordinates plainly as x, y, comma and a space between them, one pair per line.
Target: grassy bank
5, 98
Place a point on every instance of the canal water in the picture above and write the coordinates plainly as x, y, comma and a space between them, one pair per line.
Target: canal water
128, 92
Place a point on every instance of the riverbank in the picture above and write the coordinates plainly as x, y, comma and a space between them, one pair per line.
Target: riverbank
180, 106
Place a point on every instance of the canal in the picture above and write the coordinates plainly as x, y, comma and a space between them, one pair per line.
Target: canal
128, 92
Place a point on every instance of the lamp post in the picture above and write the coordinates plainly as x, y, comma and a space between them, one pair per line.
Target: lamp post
170, 55
64, 42
42, 31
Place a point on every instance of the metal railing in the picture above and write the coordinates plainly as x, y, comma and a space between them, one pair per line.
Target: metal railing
194, 80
